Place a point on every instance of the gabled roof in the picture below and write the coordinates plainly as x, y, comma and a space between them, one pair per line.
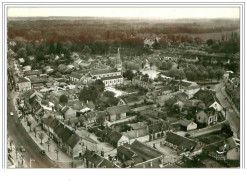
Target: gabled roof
185, 122
104, 71
48, 121
114, 136
182, 142
76, 75
73, 140
136, 133
126, 151
33, 72
22, 80
118, 109
146, 152
107, 164
206, 96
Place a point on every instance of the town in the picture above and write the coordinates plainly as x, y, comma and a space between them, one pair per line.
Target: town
157, 101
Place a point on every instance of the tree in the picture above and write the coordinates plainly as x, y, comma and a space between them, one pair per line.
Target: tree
62, 68
87, 50
41, 137
52, 48
63, 99
210, 42
227, 129
59, 48
29, 124
92, 92
219, 73
34, 130
129, 75
22, 53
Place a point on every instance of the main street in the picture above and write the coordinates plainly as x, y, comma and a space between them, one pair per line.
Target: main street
231, 116
20, 137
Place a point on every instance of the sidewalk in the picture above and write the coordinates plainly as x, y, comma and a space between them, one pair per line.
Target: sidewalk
230, 101
51, 153
15, 158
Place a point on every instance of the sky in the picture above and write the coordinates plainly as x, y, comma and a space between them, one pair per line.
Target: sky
167, 13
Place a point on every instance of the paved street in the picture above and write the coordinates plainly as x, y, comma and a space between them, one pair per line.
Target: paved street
20, 137
231, 115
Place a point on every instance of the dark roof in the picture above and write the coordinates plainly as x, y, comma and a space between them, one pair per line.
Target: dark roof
76, 75
104, 71
48, 121
126, 151
95, 159
182, 142
185, 122
73, 140
112, 77
145, 151
54, 123
118, 109
106, 164
132, 99
22, 80
181, 96
206, 96
114, 136
33, 72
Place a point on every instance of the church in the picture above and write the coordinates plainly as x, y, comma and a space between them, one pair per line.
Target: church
110, 77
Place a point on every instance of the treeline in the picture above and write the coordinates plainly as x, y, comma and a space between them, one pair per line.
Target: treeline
91, 31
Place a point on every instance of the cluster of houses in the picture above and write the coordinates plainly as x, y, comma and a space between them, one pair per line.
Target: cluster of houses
145, 115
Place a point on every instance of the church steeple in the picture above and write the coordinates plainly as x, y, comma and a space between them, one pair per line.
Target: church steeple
118, 61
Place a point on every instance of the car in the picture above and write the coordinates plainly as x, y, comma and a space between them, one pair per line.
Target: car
42, 152
22, 149
11, 114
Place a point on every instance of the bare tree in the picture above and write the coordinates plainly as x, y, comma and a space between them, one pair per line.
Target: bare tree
41, 137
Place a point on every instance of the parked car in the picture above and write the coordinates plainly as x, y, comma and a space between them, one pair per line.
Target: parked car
22, 149
42, 152
11, 114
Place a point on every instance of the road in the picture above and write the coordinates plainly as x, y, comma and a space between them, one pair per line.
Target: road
20, 137
231, 116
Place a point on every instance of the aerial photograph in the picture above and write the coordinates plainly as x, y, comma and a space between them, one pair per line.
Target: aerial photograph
122, 87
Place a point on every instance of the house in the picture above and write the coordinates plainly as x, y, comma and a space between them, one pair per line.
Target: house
209, 98
187, 125
117, 112
49, 124
125, 153
141, 135
151, 158
22, 83
157, 130
182, 144
134, 100
113, 80
88, 143
98, 74
32, 73
233, 148
208, 116
68, 112
101, 118
75, 77
143, 81
185, 85
116, 139
93, 160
